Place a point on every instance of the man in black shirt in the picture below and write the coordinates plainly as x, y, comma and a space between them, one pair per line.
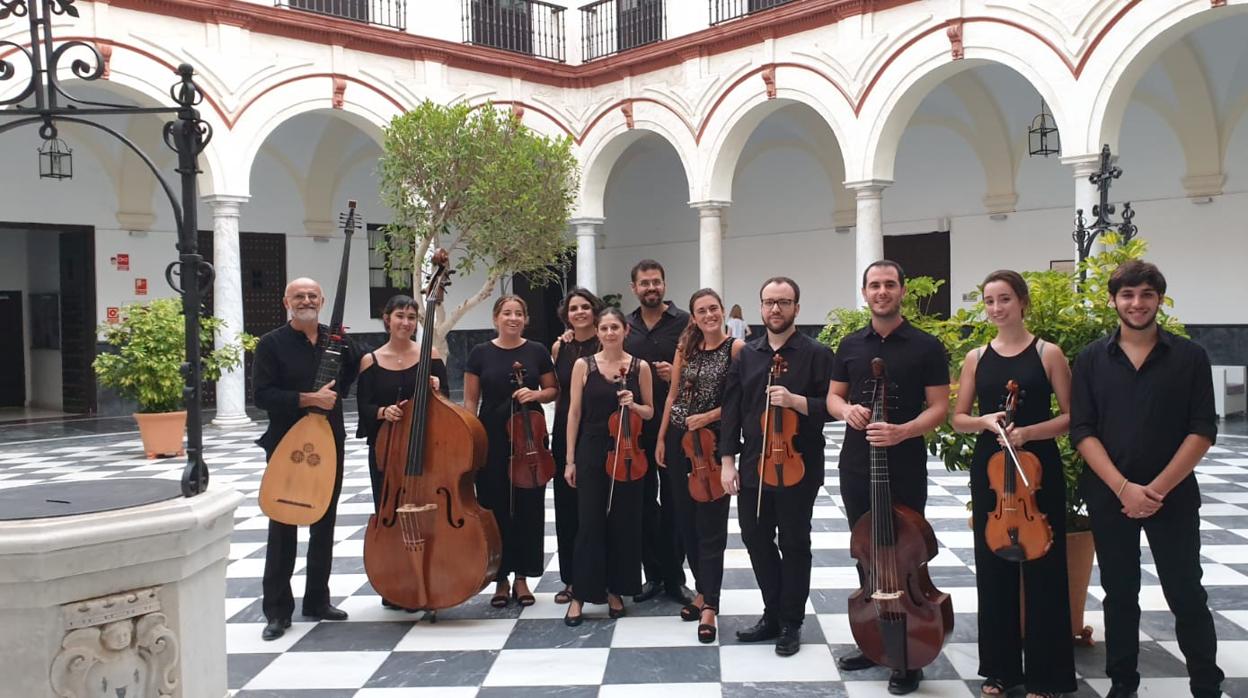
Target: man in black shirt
917, 369
1142, 417
783, 573
284, 368
654, 331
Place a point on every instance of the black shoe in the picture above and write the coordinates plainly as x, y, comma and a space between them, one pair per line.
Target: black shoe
903, 682
574, 620
613, 612
275, 629
1120, 690
790, 640
764, 629
326, 612
649, 590
680, 593
855, 661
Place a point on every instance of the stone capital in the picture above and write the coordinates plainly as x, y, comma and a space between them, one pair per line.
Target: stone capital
710, 207
132, 220
222, 204
868, 188
578, 223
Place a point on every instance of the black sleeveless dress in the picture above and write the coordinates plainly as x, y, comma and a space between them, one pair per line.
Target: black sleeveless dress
565, 494
608, 547
1044, 659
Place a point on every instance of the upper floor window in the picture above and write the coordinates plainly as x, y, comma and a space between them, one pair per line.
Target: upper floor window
524, 26
724, 10
610, 26
387, 13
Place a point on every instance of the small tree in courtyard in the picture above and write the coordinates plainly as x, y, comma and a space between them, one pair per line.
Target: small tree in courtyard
481, 184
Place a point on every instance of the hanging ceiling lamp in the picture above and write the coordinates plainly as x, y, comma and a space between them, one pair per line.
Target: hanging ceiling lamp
1043, 137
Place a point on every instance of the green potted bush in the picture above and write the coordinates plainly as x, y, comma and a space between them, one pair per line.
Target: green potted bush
149, 342
1065, 311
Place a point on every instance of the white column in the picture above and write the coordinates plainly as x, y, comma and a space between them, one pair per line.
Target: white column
227, 303
711, 243
1086, 195
869, 231
587, 252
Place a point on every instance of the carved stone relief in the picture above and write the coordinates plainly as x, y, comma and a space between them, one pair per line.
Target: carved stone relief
116, 647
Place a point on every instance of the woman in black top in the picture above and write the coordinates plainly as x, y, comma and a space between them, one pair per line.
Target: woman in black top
1043, 660
488, 385
388, 379
579, 312
608, 546
694, 402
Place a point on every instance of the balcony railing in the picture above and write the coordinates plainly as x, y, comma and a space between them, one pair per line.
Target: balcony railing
724, 10
611, 26
386, 13
524, 26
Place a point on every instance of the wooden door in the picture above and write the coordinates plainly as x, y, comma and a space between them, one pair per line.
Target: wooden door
924, 254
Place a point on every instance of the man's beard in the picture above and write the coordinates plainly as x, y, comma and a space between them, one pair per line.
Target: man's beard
652, 300
306, 314
1126, 321
786, 323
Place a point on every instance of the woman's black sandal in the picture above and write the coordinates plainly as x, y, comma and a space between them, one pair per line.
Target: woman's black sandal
690, 613
706, 631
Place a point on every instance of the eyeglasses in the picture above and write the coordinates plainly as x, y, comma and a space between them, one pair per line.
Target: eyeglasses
304, 297
784, 303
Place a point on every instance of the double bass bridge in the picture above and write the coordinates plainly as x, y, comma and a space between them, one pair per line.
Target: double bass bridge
881, 595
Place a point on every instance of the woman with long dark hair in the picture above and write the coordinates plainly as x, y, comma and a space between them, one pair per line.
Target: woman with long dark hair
489, 392
579, 311
694, 402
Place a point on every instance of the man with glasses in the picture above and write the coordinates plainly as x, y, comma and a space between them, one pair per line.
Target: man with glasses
283, 371
917, 368
782, 571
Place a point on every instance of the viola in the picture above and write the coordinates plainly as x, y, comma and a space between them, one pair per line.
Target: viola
626, 462
898, 617
431, 544
705, 484
532, 464
1016, 530
780, 464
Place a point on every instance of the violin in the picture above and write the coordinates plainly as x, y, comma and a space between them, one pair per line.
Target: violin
898, 617
780, 464
431, 544
626, 462
532, 464
1016, 530
704, 468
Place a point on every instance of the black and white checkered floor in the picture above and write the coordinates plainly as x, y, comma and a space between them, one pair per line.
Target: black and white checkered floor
476, 650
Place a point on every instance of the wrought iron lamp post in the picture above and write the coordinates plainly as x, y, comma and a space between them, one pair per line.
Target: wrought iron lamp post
1085, 235
186, 135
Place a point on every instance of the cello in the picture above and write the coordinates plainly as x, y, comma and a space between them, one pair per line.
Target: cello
1016, 530
431, 545
532, 464
626, 462
898, 617
704, 468
780, 464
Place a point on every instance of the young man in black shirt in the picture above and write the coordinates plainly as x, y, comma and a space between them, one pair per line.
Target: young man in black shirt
1142, 417
654, 331
284, 367
782, 572
917, 368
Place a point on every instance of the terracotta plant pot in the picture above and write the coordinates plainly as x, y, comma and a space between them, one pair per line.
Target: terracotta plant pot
1080, 553
162, 432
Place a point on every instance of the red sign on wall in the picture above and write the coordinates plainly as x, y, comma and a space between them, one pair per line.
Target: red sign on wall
113, 315
123, 261
140, 287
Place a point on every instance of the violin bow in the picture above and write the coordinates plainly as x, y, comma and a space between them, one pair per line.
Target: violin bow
615, 467
1009, 447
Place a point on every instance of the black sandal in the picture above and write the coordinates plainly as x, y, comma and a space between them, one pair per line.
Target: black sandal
690, 613
523, 599
998, 684
501, 598
564, 596
706, 631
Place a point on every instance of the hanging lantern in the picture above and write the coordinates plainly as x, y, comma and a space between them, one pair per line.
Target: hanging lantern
1042, 137
56, 160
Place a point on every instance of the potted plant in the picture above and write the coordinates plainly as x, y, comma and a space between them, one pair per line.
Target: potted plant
1064, 311
149, 347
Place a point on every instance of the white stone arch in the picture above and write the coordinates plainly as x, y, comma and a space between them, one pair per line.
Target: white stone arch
743, 108
605, 144
926, 64
1130, 49
367, 109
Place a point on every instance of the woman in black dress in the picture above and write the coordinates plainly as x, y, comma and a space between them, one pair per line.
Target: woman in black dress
579, 312
694, 402
388, 378
489, 386
608, 546
1043, 659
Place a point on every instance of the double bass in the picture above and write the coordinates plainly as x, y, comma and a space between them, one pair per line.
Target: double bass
705, 484
780, 464
431, 545
531, 465
626, 462
1016, 530
898, 617
298, 482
